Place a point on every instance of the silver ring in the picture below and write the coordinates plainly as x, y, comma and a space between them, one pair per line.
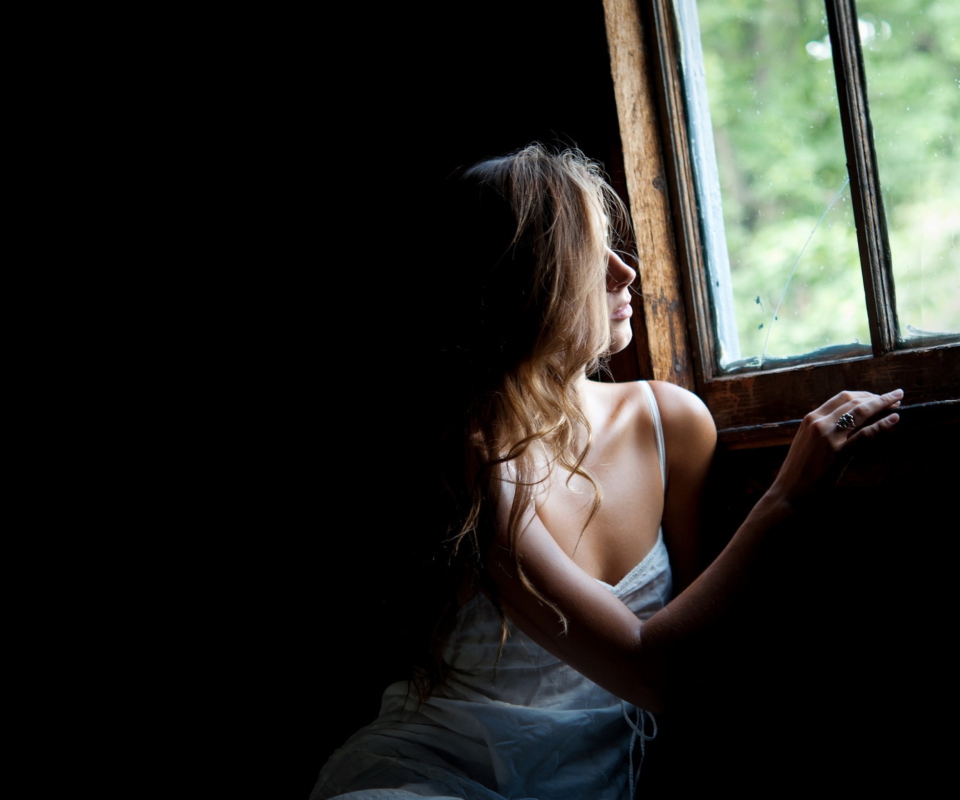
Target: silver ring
846, 421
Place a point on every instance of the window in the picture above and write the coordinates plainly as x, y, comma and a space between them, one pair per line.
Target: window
746, 349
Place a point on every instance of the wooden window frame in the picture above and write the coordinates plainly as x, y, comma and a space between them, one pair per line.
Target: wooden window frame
674, 332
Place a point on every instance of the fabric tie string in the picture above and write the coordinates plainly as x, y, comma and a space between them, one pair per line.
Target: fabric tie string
638, 727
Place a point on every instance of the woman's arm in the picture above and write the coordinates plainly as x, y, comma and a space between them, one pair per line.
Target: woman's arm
603, 639
690, 439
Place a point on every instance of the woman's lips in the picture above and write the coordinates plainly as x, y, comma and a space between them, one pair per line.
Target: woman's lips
624, 311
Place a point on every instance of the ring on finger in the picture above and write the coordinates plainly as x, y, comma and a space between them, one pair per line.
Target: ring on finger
846, 421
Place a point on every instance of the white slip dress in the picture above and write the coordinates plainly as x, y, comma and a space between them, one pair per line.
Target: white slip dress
525, 726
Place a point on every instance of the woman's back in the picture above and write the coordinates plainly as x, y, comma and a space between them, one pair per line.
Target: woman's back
516, 721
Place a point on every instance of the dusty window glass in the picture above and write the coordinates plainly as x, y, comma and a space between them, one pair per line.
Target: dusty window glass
779, 230
791, 284
773, 190
911, 55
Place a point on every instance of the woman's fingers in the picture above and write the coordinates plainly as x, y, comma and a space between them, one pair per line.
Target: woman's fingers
846, 401
857, 413
879, 426
828, 437
850, 411
876, 416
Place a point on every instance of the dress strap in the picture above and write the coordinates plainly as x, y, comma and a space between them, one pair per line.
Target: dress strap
658, 428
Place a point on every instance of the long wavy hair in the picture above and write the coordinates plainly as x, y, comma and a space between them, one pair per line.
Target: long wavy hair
524, 237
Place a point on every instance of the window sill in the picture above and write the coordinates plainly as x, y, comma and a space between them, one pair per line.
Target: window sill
918, 416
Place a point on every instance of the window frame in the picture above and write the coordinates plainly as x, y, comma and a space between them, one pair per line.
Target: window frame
764, 407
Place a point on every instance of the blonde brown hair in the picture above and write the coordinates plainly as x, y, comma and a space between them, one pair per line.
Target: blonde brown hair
527, 236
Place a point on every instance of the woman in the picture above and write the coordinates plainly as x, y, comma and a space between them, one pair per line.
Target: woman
561, 624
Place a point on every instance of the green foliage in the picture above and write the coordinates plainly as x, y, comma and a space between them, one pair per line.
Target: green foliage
779, 147
913, 79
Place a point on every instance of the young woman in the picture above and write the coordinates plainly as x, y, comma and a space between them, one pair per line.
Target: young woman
564, 553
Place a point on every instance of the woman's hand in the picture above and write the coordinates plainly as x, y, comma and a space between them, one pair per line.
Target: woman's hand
828, 437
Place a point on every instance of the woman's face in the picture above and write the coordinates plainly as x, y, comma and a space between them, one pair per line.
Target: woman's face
619, 278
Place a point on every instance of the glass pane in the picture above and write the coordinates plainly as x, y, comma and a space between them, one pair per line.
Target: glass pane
788, 281
911, 54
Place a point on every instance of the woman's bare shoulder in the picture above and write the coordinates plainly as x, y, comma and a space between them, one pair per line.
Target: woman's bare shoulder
690, 440
688, 426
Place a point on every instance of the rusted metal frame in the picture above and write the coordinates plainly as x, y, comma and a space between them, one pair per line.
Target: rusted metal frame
928, 375
667, 348
660, 23
913, 416
875, 262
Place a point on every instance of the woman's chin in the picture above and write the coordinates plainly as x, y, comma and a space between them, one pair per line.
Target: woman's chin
621, 335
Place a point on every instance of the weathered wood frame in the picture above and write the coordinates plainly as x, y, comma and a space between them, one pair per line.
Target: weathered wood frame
677, 339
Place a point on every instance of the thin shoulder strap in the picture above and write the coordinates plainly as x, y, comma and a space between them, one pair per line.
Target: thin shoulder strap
658, 427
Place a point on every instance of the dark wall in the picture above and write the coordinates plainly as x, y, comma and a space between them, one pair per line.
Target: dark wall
321, 368
840, 670
422, 94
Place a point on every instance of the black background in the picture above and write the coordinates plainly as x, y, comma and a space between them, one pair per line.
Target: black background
296, 167
324, 147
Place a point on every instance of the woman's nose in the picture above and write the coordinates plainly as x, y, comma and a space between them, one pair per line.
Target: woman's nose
619, 273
